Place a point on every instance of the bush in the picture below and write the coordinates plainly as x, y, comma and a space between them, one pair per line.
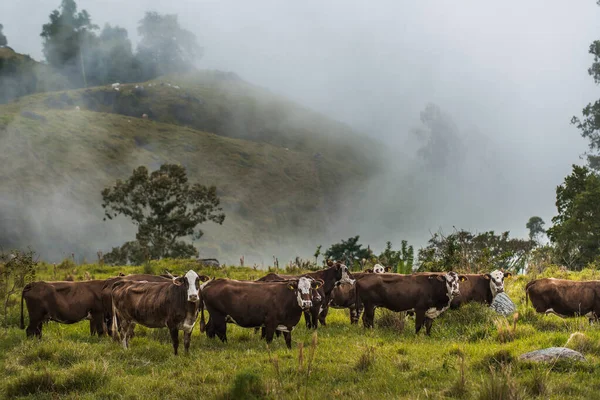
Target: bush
392, 320
247, 385
500, 385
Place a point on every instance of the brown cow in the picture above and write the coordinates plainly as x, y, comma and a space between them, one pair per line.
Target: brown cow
427, 295
565, 298
480, 288
64, 302
343, 295
276, 305
337, 272
156, 305
106, 293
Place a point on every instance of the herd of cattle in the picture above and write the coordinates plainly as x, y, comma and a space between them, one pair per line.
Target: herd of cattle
275, 303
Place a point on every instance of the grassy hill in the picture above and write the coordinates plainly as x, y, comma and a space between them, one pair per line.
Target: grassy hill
281, 170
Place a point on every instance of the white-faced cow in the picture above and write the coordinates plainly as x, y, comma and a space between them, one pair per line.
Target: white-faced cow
480, 288
565, 298
156, 305
336, 272
427, 295
275, 305
64, 302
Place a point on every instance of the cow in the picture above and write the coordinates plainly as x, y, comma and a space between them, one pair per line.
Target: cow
64, 302
336, 272
480, 288
379, 269
343, 295
275, 305
106, 294
427, 295
172, 304
565, 298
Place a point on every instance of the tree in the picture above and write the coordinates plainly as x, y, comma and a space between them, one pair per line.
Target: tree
317, 254
349, 251
590, 124
3, 41
401, 261
113, 58
576, 228
165, 208
66, 37
442, 146
467, 252
165, 47
536, 228
16, 270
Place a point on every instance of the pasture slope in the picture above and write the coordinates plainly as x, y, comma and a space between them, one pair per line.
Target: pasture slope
470, 355
278, 167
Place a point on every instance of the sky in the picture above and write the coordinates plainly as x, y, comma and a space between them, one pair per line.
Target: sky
513, 73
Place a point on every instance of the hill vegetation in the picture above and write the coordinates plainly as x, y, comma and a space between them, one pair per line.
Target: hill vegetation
278, 168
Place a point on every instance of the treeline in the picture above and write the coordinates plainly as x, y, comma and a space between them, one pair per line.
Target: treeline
79, 54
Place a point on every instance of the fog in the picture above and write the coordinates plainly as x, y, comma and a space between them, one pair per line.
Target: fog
509, 75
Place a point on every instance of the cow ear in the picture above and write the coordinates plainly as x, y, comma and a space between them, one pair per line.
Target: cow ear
507, 274
369, 271
179, 281
440, 278
292, 285
462, 278
388, 269
316, 284
487, 276
204, 278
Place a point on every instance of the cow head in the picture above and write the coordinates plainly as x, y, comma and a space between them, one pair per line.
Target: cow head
380, 269
452, 280
303, 288
191, 281
342, 274
496, 279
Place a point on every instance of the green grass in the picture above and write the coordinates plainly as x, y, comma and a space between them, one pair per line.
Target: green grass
466, 358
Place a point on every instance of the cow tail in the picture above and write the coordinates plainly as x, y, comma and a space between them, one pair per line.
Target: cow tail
527, 292
22, 326
114, 327
202, 323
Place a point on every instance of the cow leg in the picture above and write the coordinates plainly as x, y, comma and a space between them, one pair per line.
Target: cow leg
428, 323
308, 319
369, 316
263, 332
353, 316
210, 328
419, 320
323, 313
220, 326
315, 312
174, 338
269, 332
288, 339
187, 337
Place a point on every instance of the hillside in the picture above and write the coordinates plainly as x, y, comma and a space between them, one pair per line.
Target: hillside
281, 170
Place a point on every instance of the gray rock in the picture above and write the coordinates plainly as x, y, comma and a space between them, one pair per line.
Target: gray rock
551, 354
502, 304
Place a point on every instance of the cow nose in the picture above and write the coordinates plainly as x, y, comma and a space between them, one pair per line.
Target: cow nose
306, 303
193, 297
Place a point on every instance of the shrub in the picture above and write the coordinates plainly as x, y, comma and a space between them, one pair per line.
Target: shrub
392, 320
366, 359
247, 385
500, 385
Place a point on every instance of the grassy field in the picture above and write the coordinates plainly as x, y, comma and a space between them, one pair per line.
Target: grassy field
472, 353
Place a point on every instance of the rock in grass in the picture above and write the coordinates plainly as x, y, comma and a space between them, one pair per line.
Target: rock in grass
551, 354
502, 304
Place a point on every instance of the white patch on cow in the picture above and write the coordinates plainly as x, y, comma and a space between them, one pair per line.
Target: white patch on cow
187, 327
434, 312
496, 282
193, 290
452, 285
345, 277
378, 269
320, 309
283, 328
304, 287
551, 311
